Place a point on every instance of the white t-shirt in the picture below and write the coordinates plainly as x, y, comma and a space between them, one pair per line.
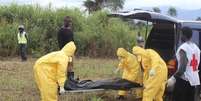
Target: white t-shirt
193, 54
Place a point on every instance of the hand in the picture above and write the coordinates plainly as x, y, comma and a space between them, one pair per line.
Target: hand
116, 71
121, 97
62, 90
170, 83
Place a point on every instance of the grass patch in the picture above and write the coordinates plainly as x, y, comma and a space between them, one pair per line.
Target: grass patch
17, 81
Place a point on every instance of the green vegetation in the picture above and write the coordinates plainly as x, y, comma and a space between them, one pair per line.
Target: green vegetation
96, 35
172, 11
156, 9
95, 5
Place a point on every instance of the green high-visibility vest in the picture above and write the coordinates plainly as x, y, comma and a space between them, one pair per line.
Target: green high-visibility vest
22, 38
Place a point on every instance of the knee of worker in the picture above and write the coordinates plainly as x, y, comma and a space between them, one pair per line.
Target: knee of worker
159, 98
159, 95
123, 93
150, 94
147, 99
138, 93
49, 92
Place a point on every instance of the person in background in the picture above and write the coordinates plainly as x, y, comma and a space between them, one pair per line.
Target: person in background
65, 35
154, 73
186, 77
50, 72
140, 40
22, 42
131, 71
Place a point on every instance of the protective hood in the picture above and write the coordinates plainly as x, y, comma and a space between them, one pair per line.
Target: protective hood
139, 51
121, 52
69, 49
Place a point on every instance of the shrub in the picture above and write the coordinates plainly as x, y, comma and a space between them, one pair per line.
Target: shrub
96, 35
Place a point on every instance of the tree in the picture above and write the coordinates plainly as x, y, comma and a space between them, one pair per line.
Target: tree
100, 4
198, 19
156, 9
115, 5
172, 11
90, 5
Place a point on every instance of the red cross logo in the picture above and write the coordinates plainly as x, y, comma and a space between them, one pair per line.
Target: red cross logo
194, 63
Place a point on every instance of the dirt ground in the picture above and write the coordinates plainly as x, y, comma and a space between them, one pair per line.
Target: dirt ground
17, 81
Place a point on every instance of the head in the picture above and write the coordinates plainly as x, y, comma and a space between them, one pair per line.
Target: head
140, 43
186, 34
69, 49
141, 54
67, 21
21, 28
138, 34
122, 53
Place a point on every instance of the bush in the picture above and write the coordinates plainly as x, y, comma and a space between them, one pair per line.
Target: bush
96, 35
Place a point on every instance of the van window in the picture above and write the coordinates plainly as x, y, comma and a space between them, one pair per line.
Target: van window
195, 38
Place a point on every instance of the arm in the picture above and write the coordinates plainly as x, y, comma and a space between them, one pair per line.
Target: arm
26, 35
183, 63
61, 71
122, 63
120, 66
70, 64
59, 38
134, 67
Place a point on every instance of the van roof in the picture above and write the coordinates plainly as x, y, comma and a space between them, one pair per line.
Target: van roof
191, 24
153, 16
144, 15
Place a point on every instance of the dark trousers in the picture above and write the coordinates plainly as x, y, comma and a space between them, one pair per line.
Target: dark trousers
23, 51
183, 91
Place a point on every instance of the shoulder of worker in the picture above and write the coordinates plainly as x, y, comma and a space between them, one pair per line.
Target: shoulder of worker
185, 46
151, 51
52, 57
130, 55
196, 47
132, 59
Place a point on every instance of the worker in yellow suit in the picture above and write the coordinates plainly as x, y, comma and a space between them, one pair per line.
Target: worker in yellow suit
131, 70
155, 74
50, 71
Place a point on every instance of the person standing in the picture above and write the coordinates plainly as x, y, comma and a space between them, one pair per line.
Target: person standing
186, 77
65, 33
154, 73
140, 40
22, 42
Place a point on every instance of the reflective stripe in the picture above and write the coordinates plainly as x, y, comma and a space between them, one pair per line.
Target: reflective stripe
21, 38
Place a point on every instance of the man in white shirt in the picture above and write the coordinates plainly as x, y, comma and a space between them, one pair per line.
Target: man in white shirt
186, 76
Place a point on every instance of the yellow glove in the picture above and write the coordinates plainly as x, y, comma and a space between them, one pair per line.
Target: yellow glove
62, 90
170, 83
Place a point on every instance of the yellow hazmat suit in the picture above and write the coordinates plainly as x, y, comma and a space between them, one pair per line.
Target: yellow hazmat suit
50, 71
131, 69
155, 74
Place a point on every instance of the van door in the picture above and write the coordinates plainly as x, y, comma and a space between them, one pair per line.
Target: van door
162, 39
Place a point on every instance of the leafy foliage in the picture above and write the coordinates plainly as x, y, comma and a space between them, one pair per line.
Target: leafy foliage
172, 11
95, 34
